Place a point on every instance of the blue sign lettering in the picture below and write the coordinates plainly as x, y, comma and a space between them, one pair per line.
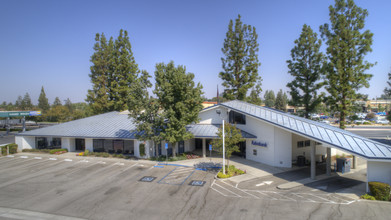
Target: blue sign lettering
259, 143
166, 146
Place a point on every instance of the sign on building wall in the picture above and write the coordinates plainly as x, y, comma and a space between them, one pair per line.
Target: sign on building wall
259, 143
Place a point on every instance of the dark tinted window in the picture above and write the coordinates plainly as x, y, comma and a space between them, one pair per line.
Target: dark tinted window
236, 118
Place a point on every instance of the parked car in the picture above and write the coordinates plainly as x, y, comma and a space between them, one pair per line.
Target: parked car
361, 121
382, 121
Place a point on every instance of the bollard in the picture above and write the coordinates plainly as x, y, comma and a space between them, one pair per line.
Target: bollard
8, 150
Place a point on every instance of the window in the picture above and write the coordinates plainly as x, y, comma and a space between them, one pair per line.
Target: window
300, 144
307, 143
41, 142
56, 142
98, 145
237, 118
255, 152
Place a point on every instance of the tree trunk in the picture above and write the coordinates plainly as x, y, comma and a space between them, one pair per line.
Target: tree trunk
173, 150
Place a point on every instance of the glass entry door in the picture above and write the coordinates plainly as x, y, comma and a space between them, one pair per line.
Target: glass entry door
80, 144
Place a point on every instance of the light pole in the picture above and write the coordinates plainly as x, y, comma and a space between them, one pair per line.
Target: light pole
219, 112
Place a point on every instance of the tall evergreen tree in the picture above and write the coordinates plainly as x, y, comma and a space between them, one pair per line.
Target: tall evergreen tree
347, 46
43, 102
306, 68
180, 99
68, 105
255, 95
387, 90
281, 101
26, 102
18, 103
57, 102
270, 98
240, 62
113, 71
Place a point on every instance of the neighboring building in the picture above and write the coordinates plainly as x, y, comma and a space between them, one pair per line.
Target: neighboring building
271, 137
207, 104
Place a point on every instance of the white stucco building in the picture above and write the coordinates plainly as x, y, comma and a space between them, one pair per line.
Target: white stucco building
272, 137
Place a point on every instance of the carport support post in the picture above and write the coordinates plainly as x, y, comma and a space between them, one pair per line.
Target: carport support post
328, 162
313, 162
203, 147
24, 123
354, 162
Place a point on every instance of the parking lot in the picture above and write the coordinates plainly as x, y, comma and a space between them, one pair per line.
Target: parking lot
49, 187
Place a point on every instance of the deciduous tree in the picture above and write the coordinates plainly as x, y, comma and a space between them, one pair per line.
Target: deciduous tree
180, 99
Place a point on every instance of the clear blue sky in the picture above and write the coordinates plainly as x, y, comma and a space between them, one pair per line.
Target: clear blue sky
49, 43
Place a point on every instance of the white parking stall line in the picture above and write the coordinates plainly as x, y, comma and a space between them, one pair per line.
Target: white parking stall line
68, 160
304, 198
24, 157
336, 196
100, 162
182, 172
327, 200
240, 190
130, 167
285, 196
119, 164
52, 158
38, 158
227, 190
82, 161
10, 156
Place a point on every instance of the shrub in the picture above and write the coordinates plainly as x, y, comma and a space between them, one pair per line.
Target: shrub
142, 150
36, 150
86, 152
367, 197
13, 149
221, 175
58, 151
381, 191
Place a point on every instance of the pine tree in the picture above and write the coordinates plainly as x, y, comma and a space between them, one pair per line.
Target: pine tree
26, 102
240, 62
306, 68
57, 102
113, 71
347, 46
68, 104
387, 90
281, 101
255, 95
43, 102
18, 103
180, 99
270, 99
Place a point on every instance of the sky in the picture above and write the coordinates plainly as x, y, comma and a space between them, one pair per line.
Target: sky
49, 43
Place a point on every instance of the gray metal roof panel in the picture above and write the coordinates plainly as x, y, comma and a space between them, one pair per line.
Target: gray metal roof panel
337, 137
210, 130
107, 125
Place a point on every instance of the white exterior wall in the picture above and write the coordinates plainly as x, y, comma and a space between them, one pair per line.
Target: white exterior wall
25, 142
190, 145
211, 117
264, 133
137, 148
68, 143
89, 144
282, 148
379, 172
306, 150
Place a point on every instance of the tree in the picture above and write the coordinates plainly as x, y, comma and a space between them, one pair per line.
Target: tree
26, 102
255, 95
57, 102
233, 136
113, 71
281, 101
387, 90
306, 68
58, 113
347, 46
240, 62
180, 99
145, 112
43, 102
18, 103
68, 104
270, 98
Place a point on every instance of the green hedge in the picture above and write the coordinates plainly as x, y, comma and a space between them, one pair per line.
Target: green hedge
13, 149
381, 191
367, 197
142, 150
36, 150
53, 151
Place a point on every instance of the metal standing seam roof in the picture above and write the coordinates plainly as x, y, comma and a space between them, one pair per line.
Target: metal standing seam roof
107, 125
210, 131
321, 132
